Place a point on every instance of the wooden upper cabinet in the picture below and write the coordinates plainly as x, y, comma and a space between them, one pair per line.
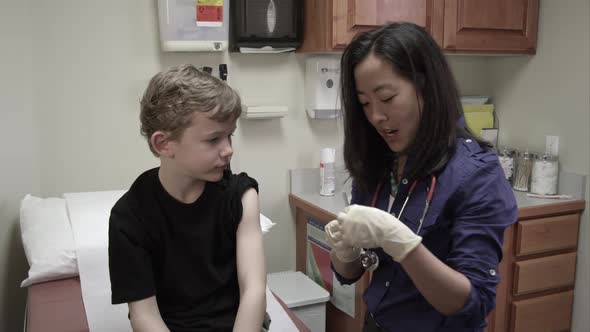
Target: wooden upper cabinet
484, 26
462, 26
352, 16
331, 24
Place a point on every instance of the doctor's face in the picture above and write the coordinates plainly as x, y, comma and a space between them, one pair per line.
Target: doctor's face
389, 101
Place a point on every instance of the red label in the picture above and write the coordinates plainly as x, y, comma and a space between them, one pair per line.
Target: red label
209, 13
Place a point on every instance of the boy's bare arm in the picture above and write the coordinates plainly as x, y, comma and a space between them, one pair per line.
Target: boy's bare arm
145, 316
251, 267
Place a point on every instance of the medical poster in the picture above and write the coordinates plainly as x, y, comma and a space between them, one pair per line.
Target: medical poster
318, 255
318, 269
343, 297
210, 13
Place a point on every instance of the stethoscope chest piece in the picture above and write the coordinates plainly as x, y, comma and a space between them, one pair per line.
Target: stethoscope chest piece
369, 260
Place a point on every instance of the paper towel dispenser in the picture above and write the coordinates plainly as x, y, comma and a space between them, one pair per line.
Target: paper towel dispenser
269, 25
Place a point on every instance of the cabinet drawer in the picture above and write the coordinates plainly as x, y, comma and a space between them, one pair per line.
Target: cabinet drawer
546, 234
544, 273
546, 313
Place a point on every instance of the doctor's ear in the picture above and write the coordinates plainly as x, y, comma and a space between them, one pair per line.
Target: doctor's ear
162, 143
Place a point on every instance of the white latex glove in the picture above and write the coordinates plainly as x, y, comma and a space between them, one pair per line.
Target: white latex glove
367, 227
343, 252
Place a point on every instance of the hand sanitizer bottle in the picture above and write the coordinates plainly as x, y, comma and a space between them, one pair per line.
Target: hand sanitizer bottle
327, 171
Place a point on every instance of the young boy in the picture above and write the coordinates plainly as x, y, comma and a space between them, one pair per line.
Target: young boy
185, 244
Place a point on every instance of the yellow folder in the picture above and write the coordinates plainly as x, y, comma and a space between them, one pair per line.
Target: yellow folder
478, 117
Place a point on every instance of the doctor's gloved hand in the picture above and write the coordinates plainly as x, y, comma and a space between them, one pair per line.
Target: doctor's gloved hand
367, 227
343, 252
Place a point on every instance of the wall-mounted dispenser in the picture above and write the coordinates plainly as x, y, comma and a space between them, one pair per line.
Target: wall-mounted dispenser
322, 87
263, 112
191, 26
265, 26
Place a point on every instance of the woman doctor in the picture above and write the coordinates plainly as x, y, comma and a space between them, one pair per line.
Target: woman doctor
430, 200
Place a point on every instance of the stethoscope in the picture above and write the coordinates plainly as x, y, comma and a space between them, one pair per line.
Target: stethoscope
369, 258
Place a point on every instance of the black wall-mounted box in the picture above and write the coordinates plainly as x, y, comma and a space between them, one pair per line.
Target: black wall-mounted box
260, 23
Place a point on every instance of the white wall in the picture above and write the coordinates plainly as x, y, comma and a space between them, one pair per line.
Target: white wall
84, 65
19, 167
548, 94
92, 60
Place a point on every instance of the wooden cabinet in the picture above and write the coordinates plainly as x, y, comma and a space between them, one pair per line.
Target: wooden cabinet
462, 26
547, 234
545, 313
331, 24
539, 274
537, 270
484, 26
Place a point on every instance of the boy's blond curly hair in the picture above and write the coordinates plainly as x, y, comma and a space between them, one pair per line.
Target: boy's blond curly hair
173, 95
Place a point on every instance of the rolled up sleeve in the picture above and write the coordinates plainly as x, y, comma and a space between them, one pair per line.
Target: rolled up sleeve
342, 280
484, 207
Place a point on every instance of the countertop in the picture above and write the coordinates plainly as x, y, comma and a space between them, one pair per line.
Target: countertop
304, 183
336, 203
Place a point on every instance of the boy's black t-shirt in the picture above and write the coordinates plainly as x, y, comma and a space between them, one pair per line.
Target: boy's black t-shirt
184, 254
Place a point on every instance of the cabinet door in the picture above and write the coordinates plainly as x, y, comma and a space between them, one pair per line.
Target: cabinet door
353, 16
499, 26
545, 313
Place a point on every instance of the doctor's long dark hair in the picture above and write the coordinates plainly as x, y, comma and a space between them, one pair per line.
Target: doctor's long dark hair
415, 56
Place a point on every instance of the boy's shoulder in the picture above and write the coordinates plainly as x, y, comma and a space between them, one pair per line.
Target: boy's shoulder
139, 193
147, 180
237, 182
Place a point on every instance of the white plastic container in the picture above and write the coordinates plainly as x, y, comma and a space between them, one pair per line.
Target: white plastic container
327, 171
322, 87
303, 296
544, 175
180, 31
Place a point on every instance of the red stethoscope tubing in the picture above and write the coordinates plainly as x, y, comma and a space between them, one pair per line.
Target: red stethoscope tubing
429, 196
